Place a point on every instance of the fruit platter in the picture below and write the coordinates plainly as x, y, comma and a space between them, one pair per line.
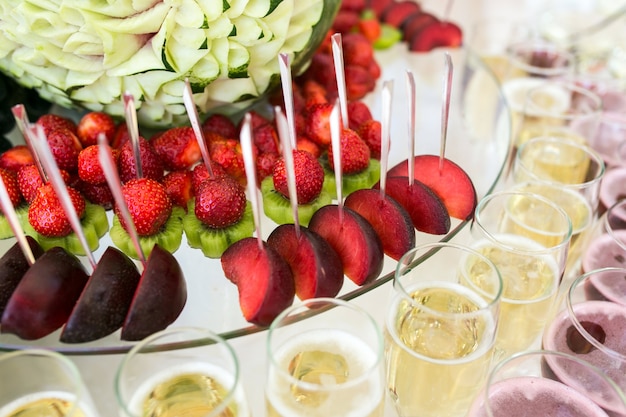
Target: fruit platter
209, 289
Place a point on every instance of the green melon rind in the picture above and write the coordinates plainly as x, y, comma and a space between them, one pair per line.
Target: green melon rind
364, 179
169, 238
213, 242
94, 224
22, 216
278, 208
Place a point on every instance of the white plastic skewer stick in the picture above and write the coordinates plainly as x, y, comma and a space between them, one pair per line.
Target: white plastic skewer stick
42, 148
337, 48
281, 123
410, 79
130, 112
385, 139
192, 112
109, 168
335, 141
11, 216
445, 109
245, 137
285, 77
22, 122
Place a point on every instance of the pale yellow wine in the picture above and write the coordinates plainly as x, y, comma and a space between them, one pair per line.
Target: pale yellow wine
43, 404
435, 366
325, 373
190, 391
530, 283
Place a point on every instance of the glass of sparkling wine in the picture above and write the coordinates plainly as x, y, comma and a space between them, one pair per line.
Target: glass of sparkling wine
157, 378
327, 365
42, 383
526, 385
440, 329
527, 237
591, 322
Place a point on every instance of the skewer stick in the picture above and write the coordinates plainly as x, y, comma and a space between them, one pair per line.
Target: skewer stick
38, 138
281, 123
285, 77
340, 74
335, 140
410, 78
105, 157
22, 122
445, 110
194, 119
130, 113
248, 159
385, 134
11, 216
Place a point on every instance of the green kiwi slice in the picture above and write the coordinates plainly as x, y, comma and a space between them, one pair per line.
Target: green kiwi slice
169, 237
22, 216
278, 208
352, 182
213, 242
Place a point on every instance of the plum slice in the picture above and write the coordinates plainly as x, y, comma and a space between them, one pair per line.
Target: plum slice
452, 184
159, 299
389, 219
316, 267
427, 211
105, 301
46, 295
263, 278
13, 266
353, 238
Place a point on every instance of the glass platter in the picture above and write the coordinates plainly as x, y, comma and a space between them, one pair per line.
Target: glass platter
478, 140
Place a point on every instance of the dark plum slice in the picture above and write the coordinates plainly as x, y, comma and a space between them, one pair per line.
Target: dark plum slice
13, 266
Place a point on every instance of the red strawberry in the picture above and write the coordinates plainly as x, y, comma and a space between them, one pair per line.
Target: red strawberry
369, 26
178, 187
199, 174
309, 177
177, 147
265, 165
265, 138
227, 154
46, 214
10, 182
220, 202
120, 136
356, 5
355, 154
359, 81
148, 203
357, 49
305, 144
318, 123
89, 168
51, 122
65, 148
151, 164
97, 194
370, 132
345, 20
92, 124
29, 181
358, 113
16, 157
220, 124
314, 93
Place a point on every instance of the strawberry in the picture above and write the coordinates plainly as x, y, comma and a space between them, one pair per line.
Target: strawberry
177, 147
16, 157
355, 154
220, 124
309, 177
178, 187
29, 180
265, 165
357, 50
51, 122
65, 148
356, 5
322, 73
369, 25
314, 93
345, 20
265, 138
46, 215
220, 202
358, 113
227, 154
370, 132
148, 204
120, 136
10, 182
305, 144
359, 81
89, 168
151, 164
97, 194
199, 174
318, 123
92, 124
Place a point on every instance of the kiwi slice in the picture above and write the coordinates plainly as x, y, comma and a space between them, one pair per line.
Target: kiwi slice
213, 242
22, 216
278, 208
94, 224
389, 36
352, 182
169, 237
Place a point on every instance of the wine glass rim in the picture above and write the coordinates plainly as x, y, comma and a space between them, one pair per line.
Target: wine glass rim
530, 45
609, 227
565, 84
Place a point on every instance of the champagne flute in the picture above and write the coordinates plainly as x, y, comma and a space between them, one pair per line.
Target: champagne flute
327, 365
440, 329
526, 384
527, 237
42, 383
160, 379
